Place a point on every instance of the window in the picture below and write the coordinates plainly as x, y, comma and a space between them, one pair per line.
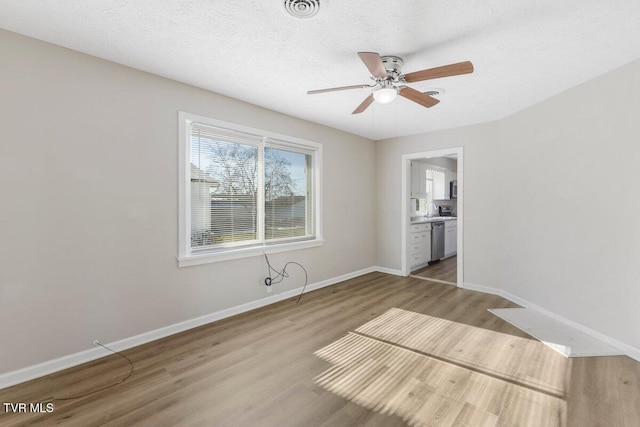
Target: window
245, 191
435, 184
434, 190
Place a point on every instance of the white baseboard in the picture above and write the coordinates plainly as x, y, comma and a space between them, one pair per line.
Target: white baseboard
483, 289
35, 371
388, 271
628, 350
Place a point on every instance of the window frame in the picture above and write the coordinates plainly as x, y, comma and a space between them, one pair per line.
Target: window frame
187, 255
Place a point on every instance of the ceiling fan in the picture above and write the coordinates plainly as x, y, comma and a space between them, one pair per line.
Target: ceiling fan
389, 80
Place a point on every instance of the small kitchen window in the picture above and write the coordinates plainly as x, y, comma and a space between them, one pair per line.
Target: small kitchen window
434, 189
435, 184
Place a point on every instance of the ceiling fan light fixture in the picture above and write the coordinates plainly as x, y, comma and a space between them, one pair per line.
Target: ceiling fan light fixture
385, 94
389, 82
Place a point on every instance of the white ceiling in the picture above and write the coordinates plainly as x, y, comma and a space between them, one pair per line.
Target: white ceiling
523, 52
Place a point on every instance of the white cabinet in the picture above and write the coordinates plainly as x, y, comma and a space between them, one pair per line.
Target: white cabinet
450, 237
418, 180
419, 245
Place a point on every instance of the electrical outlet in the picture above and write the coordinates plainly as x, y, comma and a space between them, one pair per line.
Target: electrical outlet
269, 289
96, 342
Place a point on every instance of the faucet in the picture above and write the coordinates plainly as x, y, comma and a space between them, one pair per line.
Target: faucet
434, 206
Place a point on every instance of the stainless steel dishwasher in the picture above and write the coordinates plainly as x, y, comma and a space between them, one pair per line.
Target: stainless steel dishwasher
437, 240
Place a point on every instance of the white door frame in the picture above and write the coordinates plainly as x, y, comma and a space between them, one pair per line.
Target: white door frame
405, 212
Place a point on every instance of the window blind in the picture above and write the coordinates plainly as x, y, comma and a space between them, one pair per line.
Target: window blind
436, 176
224, 187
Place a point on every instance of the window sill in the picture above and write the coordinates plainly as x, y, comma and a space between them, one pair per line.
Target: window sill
228, 255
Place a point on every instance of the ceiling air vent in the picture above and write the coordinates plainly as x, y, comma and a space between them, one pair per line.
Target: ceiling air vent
302, 8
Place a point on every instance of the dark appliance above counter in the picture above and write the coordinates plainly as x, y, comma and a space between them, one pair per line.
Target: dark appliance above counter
453, 189
445, 210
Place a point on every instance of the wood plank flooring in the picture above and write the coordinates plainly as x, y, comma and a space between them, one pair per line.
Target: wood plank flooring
377, 350
445, 270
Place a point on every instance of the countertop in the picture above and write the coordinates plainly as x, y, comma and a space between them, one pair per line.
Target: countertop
423, 219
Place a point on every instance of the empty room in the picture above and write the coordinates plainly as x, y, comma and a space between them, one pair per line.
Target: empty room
319, 213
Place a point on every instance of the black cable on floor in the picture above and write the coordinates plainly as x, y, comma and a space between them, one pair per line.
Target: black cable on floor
54, 399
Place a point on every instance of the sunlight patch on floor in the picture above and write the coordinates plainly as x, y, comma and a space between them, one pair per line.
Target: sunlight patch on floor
432, 370
564, 339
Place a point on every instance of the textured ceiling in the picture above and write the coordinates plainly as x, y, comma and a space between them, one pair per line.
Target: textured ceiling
523, 52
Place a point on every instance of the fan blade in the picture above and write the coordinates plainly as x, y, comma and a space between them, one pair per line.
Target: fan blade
334, 89
417, 96
374, 64
368, 100
435, 73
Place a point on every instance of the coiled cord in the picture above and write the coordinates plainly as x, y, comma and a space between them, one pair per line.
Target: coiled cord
280, 275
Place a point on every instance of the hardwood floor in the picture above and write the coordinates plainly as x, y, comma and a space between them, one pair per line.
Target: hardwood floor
445, 270
377, 350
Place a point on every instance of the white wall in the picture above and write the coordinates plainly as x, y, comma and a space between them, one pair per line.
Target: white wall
578, 154
563, 177
90, 252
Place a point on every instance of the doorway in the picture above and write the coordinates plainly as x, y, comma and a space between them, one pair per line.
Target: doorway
427, 204
444, 270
